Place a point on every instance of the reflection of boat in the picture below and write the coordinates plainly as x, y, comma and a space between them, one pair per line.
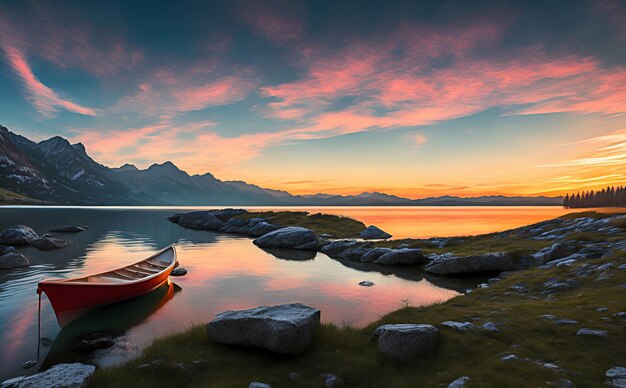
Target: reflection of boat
71, 297
111, 320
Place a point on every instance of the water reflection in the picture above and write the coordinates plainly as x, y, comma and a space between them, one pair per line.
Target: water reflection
225, 272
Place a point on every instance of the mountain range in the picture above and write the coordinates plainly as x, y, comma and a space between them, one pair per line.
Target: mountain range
54, 171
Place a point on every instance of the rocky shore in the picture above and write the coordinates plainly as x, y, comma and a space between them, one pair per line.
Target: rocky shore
561, 241
23, 235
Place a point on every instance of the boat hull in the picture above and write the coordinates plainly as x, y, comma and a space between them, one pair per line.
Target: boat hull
67, 297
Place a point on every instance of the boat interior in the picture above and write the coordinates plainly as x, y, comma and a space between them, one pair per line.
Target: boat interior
143, 269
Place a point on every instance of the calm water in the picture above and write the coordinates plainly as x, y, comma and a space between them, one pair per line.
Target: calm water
225, 272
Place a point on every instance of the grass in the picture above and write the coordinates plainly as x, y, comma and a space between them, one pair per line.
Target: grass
338, 226
8, 197
473, 245
598, 215
350, 353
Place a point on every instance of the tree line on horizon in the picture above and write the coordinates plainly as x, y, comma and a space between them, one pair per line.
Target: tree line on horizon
609, 197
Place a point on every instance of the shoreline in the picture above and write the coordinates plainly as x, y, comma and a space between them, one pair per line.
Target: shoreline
505, 301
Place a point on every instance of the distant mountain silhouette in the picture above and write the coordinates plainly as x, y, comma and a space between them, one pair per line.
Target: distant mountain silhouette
56, 172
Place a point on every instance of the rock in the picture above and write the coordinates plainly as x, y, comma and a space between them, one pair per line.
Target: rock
29, 364
461, 326
287, 328
602, 309
617, 377
403, 342
326, 235
401, 256
294, 376
402, 246
256, 384
226, 214
623, 266
74, 375
366, 283
18, 235
519, 288
355, 253
490, 326
592, 332
556, 251
262, 228
180, 271
67, 229
49, 243
330, 379
199, 220
510, 357
374, 233
335, 248
5, 250
13, 260
459, 383
98, 343
290, 237
487, 262
554, 285
566, 322
238, 226
565, 384
373, 254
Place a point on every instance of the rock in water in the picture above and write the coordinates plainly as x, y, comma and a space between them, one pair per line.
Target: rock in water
18, 235
179, 272
451, 265
49, 243
13, 260
74, 375
290, 237
335, 248
67, 229
199, 220
402, 256
406, 341
374, 254
366, 283
287, 329
262, 228
374, 233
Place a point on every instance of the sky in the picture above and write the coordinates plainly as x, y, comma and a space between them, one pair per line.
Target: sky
411, 98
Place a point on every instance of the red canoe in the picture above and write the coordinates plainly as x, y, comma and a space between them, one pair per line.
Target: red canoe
80, 294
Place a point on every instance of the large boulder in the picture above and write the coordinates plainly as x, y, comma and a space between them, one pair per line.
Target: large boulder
337, 247
290, 237
487, 262
287, 329
262, 228
48, 243
226, 214
13, 260
239, 226
199, 220
403, 342
402, 256
374, 233
374, 254
355, 253
74, 375
18, 235
68, 229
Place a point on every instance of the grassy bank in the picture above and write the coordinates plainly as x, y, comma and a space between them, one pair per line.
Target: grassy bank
337, 226
350, 353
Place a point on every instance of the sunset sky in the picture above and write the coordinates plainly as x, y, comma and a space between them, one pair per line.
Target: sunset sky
409, 98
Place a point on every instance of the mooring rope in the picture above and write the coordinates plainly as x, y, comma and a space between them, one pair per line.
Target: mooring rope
31, 363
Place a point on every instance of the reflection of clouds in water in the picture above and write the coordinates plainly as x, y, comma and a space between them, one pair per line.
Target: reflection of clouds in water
225, 272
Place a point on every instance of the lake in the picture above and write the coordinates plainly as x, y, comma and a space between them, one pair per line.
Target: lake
225, 272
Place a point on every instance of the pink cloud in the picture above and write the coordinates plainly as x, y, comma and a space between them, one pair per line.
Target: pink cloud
219, 92
45, 100
396, 74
